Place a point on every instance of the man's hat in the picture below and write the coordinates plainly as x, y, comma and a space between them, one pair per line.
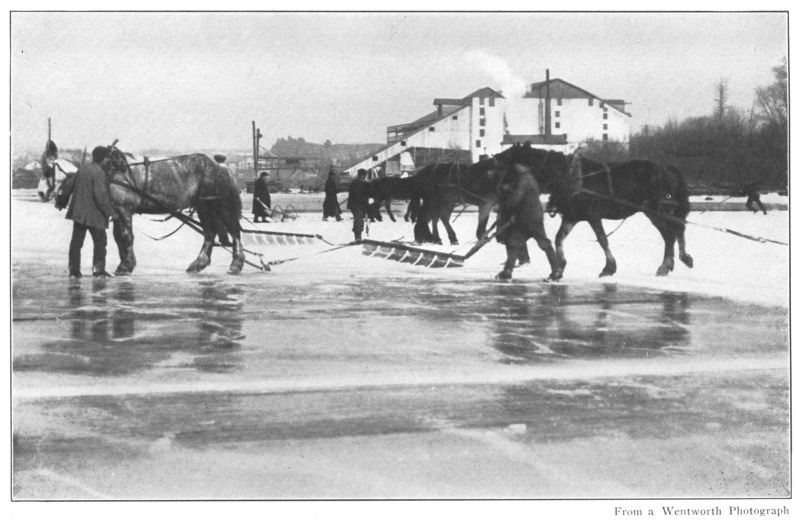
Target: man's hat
99, 153
219, 158
263, 173
361, 172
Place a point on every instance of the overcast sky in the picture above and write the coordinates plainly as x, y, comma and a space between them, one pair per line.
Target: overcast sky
197, 80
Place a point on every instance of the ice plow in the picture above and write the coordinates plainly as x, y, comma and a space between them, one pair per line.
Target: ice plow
411, 255
257, 237
408, 254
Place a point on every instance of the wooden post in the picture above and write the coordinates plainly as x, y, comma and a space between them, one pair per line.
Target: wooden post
256, 146
49, 130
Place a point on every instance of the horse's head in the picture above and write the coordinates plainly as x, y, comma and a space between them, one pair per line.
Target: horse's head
547, 166
47, 184
118, 160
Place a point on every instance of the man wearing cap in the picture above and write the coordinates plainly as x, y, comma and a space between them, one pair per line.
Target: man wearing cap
261, 205
330, 206
358, 202
89, 209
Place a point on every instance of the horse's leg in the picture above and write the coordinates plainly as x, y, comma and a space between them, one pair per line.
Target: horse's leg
483, 218
669, 234
123, 236
684, 256
602, 239
388, 208
206, 219
563, 231
422, 234
228, 215
445, 217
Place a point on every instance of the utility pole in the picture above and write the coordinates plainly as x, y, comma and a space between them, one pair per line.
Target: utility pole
49, 130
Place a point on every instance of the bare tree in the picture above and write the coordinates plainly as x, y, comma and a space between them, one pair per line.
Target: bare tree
721, 98
771, 103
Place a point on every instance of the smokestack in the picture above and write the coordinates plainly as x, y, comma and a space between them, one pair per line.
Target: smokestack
547, 111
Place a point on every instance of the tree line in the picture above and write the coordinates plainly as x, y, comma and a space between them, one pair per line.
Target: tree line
721, 151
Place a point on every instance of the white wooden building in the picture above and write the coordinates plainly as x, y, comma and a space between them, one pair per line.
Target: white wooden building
552, 113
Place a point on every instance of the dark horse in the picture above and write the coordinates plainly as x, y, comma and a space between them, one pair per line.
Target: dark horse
386, 189
585, 190
443, 186
169, 186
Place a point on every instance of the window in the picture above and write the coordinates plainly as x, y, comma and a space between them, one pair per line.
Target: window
605, 137
375, 157
482, 111
430, 128
602, 105
605, 126
482, 132
478, 143
491, 101
560, 102
605, 116
591, 101
481, 100
558, 113
482, 122
403, 143
455, 118
558, 125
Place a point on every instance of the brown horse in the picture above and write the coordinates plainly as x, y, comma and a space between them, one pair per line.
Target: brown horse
585, 190
169, 186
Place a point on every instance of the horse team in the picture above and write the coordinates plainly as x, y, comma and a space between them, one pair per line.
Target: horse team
580, 189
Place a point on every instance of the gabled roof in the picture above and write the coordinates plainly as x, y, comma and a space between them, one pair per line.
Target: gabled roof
565, 90
485, 92
448, 101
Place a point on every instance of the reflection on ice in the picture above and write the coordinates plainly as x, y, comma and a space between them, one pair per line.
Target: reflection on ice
116, 328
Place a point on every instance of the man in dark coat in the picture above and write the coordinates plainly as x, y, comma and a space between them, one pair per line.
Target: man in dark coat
358, 202
519, 206
750, 190
330, 206
89, 209
261, 205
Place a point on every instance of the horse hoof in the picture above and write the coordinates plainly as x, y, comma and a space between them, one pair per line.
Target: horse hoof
554, 276
605, 273
663, 271
503, 275
688, 261
120, 272
454, 242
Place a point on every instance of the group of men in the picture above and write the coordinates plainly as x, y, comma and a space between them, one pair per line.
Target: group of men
520, 213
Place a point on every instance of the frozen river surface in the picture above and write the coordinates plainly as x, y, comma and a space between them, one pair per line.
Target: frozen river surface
343, 376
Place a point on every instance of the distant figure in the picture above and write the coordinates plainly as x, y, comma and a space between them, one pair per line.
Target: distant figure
331, 208
750, 190
89, 209
261, 205
358, 202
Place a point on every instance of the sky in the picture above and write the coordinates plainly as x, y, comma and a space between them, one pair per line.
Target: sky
197, 80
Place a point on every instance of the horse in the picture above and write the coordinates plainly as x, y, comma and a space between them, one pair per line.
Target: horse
386, 189
442, 187
169, 186
54, 171
585, 190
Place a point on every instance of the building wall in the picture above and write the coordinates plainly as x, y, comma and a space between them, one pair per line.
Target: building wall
574, 117
487, 130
